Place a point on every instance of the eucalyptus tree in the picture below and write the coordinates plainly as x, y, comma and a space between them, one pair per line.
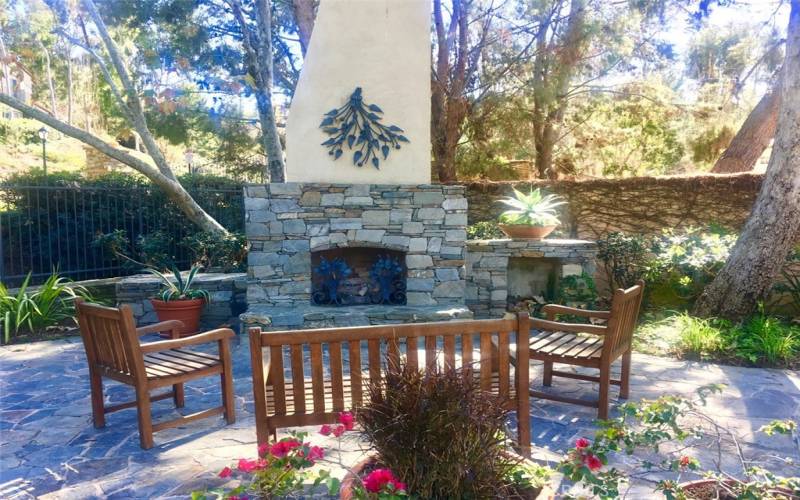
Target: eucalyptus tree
773, 227
98, 42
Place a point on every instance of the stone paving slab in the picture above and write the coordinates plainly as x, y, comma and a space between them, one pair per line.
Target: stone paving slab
49, 448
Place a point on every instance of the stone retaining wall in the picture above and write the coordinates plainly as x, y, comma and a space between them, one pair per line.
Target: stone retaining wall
227, 292
487, 267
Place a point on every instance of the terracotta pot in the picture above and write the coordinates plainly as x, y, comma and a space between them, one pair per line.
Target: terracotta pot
186, 311
351, 480
526, 232
701, 486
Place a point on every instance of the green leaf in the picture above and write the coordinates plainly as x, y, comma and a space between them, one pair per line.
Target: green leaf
333, 485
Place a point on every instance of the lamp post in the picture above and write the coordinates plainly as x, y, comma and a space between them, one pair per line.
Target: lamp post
43, 137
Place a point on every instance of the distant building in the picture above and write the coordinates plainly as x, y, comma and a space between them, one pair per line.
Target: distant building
16, 80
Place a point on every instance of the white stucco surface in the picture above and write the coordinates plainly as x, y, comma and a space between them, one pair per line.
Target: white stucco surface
384, 47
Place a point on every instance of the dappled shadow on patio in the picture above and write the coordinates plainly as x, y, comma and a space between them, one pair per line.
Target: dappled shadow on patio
48, 444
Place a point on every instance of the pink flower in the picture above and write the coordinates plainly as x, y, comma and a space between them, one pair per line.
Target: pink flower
226, 472
239, 497
346, 419
378, 479
282, 448
338, 430
315, 453
325, 430
249, 466
263, 449
582, 443
592, 462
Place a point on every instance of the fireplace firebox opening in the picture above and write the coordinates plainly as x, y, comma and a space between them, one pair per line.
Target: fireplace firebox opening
358, 276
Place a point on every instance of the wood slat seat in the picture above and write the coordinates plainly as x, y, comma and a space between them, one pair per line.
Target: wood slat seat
113, 351
176, 362
588, 345
560, 344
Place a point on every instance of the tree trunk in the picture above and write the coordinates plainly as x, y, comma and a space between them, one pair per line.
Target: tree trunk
754, 136
69, 88
774, 224
50, 85
266, 113
304, 16
4, 62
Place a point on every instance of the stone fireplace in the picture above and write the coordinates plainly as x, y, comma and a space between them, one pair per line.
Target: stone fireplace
335, 255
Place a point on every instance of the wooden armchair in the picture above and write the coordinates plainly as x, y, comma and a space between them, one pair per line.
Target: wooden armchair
595, 346
285, 395
111, 340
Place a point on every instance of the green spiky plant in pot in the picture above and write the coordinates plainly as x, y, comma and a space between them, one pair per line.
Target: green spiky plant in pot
179, 300
530, 216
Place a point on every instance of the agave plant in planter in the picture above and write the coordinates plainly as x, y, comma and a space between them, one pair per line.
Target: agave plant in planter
531, 216
179, 300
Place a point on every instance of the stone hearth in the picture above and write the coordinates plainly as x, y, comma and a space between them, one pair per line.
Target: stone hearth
287, 224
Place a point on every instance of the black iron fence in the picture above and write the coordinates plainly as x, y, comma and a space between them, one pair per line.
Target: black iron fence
47, 227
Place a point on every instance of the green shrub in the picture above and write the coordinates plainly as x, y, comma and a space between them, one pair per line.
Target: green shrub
684, 263
218, 253
19, 130
702, 337
440, 433
50, 304
765, 339
484, 230
625, 258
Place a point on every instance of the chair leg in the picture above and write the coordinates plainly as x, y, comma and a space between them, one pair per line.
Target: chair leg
226, 379
548, 374
145, 419
605, 383
98, 409
625, 376
178, 395
227, 397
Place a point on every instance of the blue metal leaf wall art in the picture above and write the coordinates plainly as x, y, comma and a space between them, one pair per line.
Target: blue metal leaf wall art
357, 126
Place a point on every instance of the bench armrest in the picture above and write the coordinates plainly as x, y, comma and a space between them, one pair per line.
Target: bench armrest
164, 326
553, 309
557, 326
201, 338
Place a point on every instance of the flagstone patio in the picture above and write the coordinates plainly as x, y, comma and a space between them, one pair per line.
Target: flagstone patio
49, 449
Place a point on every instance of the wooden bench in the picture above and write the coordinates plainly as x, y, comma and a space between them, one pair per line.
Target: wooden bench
293, 386
589, 345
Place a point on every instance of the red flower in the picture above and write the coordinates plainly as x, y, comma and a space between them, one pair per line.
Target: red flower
346, 419
378, 479
338, 430
263, 449
239, 497
685, 461
582, 443
282, 448
248, 466
325, 430
315, 453
592, 462
226, 472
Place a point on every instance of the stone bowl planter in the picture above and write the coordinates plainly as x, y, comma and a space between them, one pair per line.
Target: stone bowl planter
371, 461
707, 489
526, 232
185, 311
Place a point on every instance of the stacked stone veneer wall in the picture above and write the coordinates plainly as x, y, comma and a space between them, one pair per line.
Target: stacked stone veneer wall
227, 292
643, 205
487, 267
285, 222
